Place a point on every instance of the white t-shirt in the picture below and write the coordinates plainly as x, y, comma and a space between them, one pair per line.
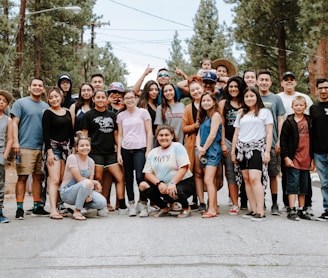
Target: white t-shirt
288, 99
252, 128
133, 126
165, 163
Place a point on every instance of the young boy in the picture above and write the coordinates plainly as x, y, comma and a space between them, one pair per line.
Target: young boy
297, 156
6, 141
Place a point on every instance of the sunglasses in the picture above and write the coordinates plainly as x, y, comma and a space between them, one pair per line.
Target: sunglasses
163, 75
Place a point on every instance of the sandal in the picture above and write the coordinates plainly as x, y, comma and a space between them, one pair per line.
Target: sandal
208, 215
78, 216
56, 216
110, 208
184, 213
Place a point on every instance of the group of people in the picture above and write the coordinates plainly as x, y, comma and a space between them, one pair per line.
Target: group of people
174, 141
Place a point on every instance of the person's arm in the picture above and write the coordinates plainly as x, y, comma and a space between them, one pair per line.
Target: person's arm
280, 123
9, 138
181, 73
149, 136
72, 111
268, 132
119, 143
46, 127
172, 186
137, 86
285, 134
15, 146
224, 148
183, 86
234, 144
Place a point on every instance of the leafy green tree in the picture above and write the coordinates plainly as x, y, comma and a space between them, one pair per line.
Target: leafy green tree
270, 35
210, 39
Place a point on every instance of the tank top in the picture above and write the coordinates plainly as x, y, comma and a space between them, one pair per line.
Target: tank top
230, 114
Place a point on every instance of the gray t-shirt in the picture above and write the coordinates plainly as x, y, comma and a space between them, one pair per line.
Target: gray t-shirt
29, 113
274, 104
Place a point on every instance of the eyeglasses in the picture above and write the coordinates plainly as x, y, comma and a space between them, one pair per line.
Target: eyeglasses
129, 98
163, 75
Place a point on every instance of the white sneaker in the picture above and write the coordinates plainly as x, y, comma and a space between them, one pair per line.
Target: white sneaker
103, 212
132, 210
234, 210
123, 211
144, 211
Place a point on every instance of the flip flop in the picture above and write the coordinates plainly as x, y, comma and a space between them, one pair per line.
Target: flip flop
110, 208
79, 216
56, 216
184, 214
208, 215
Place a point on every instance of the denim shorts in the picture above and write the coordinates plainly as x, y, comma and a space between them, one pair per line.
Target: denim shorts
296, 181
104, 160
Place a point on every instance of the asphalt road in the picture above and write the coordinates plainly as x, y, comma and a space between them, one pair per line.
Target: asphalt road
121, 246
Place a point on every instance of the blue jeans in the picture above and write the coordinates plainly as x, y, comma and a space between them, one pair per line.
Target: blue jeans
133, 160
321, 162
78, 192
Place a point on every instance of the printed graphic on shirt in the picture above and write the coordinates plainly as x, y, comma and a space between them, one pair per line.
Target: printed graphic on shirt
106, 125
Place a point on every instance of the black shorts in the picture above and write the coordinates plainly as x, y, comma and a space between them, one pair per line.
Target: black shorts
104, 160
255, 162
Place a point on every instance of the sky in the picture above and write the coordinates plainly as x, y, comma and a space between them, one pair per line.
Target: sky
141, 31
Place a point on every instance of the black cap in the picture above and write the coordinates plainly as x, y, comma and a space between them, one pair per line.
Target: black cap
288, 74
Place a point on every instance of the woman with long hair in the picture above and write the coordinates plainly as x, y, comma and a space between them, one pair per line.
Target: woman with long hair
209, 149
250, 150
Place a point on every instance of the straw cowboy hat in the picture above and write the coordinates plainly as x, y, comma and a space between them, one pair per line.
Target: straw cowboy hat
232, 70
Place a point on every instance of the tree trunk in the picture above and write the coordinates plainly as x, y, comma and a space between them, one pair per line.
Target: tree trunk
281, 50
318, 66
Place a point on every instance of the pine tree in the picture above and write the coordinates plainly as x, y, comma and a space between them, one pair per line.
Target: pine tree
210, 39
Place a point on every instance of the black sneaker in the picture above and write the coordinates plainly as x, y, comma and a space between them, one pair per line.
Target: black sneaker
293, 215
194, 206
275, 210
258, 218
40, 212
29, 211
303, 214
249, 215
202, 207
19, 214
323, 217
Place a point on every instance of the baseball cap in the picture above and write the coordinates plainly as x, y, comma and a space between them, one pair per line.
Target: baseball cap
288, 74
210, 76
116, 86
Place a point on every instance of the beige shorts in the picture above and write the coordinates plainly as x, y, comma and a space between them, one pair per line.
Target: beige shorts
31, 162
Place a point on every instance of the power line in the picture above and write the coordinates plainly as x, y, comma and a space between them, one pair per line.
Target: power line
147, 13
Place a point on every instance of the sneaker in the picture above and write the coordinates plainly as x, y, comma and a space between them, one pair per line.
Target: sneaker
64, 210
39, 211
202, 207
123, 211
20, 214
249, 215
103, 212
29, 211
258, 217
4, 219
144, 211
132, 210
194, 206
234, 210
275, 210
309, 211
293, 215
153, 208
323, 217
303, 214
243, 207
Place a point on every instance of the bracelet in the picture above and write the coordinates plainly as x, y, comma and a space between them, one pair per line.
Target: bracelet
171, 182
159, 182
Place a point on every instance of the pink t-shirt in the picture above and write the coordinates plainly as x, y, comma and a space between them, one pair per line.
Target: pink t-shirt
134, 130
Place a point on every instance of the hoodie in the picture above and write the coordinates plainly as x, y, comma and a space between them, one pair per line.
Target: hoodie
68, 100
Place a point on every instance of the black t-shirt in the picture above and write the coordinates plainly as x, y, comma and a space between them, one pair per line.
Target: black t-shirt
101, 127
319, 116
